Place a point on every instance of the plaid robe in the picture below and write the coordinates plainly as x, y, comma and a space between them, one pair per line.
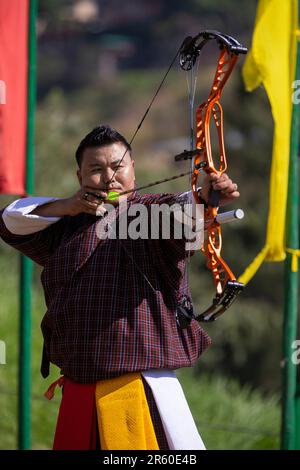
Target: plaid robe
103, 318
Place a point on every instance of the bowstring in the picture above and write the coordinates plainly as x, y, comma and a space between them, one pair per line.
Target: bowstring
130, 143
191, 78
146, 112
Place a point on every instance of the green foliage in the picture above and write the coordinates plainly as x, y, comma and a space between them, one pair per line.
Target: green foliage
44, 413
230, 417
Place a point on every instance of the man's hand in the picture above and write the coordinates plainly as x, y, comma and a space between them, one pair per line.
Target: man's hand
74, 205
228, 189
87, 203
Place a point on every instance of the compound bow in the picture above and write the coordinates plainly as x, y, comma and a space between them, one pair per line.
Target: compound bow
227, 287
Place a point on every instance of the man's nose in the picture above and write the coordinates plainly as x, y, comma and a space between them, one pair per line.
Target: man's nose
108, 175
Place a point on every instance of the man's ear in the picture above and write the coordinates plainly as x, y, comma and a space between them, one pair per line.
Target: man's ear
79, 176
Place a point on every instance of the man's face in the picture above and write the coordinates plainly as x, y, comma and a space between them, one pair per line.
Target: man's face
99, 165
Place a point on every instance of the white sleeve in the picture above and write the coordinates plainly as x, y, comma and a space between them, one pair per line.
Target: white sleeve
18, 219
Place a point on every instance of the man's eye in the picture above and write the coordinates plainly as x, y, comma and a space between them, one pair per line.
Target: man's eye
96, 170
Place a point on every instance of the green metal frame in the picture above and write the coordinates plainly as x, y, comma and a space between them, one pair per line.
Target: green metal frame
24, 384
290, 431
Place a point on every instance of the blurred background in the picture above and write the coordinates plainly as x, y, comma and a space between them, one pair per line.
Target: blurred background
99, 62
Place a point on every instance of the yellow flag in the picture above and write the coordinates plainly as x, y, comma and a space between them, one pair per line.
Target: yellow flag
271, 62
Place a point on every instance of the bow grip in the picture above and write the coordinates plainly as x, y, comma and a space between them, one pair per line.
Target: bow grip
214, 198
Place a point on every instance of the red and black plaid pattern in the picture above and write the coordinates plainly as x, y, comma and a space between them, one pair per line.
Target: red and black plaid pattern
103, 318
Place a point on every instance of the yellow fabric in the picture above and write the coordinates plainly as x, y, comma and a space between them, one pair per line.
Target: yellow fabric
271, 62
124, 419
295, 255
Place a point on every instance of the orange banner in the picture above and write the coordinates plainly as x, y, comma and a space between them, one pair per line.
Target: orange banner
13, 94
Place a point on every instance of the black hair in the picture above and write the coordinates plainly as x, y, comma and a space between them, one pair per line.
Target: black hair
99, 137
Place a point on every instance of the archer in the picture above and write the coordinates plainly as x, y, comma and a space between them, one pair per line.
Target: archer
112, 320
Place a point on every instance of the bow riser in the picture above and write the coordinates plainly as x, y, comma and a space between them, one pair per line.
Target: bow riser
227, 287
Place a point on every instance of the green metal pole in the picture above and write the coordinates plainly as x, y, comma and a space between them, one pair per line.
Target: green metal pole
289, 422
24, 431
297, 437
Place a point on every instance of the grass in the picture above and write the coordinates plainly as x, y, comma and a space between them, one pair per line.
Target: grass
228, 416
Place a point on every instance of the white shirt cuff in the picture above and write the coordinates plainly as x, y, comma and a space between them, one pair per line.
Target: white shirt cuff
18, 219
